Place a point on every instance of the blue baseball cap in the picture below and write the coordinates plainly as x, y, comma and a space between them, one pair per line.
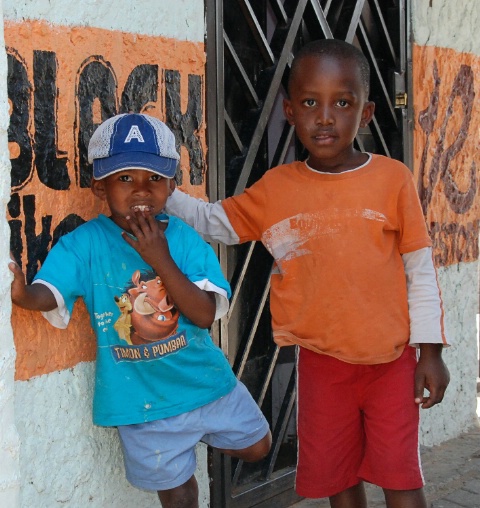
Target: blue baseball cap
133, 141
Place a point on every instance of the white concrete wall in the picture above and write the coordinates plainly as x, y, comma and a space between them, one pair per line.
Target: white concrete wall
177, 19
447, 24
67, 461
9, 443
457, 412
454, 25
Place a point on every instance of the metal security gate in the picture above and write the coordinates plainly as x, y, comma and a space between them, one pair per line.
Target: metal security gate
249, 52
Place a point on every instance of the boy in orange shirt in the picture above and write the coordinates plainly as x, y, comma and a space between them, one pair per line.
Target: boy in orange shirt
353, 286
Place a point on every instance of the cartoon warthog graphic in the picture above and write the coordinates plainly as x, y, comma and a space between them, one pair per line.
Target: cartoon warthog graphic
153, 316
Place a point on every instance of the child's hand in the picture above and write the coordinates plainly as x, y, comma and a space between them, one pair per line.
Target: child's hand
18, 284
431, 374
194, 303
30, 296
150, 240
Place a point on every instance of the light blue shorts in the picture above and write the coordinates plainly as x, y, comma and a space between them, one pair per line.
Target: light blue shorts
160, 455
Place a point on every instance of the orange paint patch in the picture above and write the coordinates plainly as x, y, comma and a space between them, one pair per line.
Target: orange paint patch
446, 143
40, 347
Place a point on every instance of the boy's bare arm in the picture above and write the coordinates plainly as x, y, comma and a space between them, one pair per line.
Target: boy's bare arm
31, 297
432, 375
197, 305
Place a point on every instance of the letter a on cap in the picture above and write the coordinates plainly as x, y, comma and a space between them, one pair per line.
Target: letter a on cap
134, 133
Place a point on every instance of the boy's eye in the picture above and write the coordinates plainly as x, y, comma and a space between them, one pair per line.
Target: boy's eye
155, 178
342, 103
310, 103
125, 178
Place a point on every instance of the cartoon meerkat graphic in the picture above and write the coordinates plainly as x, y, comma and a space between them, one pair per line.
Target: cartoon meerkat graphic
124, 323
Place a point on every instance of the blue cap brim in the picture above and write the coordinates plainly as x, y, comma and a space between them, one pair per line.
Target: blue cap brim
163, 166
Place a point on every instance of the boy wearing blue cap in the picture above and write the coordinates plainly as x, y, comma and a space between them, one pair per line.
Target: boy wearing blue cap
152, 287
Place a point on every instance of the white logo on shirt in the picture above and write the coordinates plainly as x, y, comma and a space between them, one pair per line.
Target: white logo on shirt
134, 133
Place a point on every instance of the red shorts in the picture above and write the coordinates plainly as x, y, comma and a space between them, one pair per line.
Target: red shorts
356, 422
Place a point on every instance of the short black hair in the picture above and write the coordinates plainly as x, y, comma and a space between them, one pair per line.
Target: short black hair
335, 48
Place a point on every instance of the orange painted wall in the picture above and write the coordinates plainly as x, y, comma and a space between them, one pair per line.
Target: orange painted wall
446, 89
40, 347
446, 137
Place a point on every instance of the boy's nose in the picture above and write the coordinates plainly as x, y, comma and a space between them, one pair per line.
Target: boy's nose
141, 188
324, 116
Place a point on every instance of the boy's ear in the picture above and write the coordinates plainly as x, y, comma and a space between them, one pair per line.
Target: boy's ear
98, 188
367, 113
173, 184
287, 110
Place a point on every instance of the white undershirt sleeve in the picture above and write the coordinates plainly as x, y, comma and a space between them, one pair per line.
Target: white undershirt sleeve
58, 317
221, 298
208, 219
424, 299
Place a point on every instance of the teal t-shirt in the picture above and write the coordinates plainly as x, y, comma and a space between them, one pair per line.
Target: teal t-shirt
152, 362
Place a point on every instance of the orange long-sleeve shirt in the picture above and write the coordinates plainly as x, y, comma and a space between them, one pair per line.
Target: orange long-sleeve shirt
339, 285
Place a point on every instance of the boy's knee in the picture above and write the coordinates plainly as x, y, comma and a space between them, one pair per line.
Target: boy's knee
257, 451
264, 446
183, 496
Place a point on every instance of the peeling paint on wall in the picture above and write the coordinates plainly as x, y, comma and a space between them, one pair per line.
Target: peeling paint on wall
446, 150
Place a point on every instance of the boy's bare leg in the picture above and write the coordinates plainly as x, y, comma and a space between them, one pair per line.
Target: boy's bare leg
405, 498
257, 451
354, 497
184, 496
